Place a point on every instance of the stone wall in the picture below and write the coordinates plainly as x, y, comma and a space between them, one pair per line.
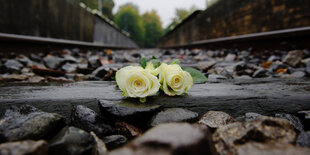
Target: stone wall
60, 19
237, 17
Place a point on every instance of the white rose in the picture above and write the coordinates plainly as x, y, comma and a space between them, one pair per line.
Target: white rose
137, 82
174, 80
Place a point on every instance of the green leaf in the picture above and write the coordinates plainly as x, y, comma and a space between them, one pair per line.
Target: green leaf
174, 61
197, 76
153, 57
156, 63
143, 62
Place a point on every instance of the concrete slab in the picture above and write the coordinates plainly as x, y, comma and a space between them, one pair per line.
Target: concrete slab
236, 97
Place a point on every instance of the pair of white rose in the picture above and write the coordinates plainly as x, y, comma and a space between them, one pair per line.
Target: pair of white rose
138, 82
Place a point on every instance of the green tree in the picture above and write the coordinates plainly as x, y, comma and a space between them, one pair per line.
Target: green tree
107, 6
93, 4
129, 19
153, 28
180, 15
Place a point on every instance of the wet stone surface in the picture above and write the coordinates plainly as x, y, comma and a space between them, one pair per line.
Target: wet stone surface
24, 148
254, 102
89, 120
263, 96
114, 141
215, 119
303, 139
71, 140
132, 112
294, 120
263, 130
28, 122
274, 149
168, 140
174, 115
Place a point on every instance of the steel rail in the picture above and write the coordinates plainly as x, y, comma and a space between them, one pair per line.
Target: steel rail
4, 37
277, 34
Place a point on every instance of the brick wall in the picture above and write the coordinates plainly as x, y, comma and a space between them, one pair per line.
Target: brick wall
237, 17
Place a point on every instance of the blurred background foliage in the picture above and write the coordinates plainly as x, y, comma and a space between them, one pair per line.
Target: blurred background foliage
145, 29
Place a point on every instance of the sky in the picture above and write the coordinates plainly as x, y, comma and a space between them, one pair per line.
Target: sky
164, 8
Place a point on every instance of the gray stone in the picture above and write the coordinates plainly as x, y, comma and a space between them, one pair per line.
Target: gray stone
36, 79
27, 147
94, 61
214, 77
228, 74
13, 65
132, 112
306, 61
305, 118
271, 149
174, 115
88, 120
58, 79
215, 119
303, 139
171, 138
81, 77
68, 67
251, 116
299, 74
242, 77
273, 58
35, 57
25, 61
70, 59
27, 122
52, 61
26, 71
129, 58
255, 61
99, 147
118, 59
261, 73
206, 65
294, 120
293, 58
242, 68
230, 57
72, 141
114, 141
264, 129
100, 72
13, 77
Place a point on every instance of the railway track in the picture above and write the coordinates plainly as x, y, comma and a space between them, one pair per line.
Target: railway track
295, 38
31, 44
279, 39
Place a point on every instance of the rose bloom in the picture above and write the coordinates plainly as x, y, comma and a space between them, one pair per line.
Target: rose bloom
135, 81
174, 80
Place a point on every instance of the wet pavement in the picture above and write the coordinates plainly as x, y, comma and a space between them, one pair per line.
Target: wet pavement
265, 96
